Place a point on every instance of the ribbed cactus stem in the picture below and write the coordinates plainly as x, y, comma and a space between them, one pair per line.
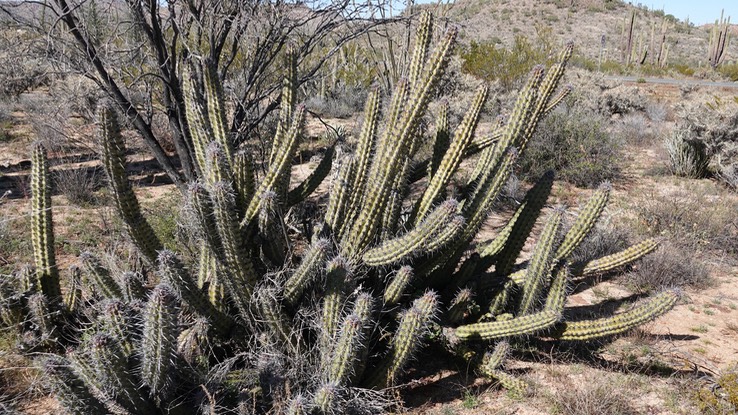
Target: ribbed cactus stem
243, 179
217, 167
114, 161
364, 148
557, 292
494, 360
197, 117
459, 306
398, 285
644, 312
174, 273
116, 319
299, 405
518, 326
325, 398
422, 43
337, 213
539, 267
514, 385
73, 295
408, 337
159, 340
310, 268
132, 285
69, 389
271, 228
115, 379
441, 141
453, 156
346, 348
338, 271
42, 227
558, 99
273, 317
41, 315
585, 222
502, 298
618, 259
414, 242
216, 109
104, 283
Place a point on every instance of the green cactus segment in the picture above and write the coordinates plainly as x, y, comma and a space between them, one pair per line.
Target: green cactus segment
173, 272
280, 168
447, 235
116, 320
501, 298
644, 312
585, 222
42, 226
422, 44
216, 110
104, 283
548, 87
243, 179
611, 262
452, 158
516, 386
441, 142
308, 271
350, 341
398, 285
73, 295
539, 267
494, 360
240, 277
114, 161
286, 109
273, 317
413, 243
132, 285
508, 249
69, 389
340, 196
367, 141
556, 298
159, 340
271, 229
518, 326
217, 167
308, 186
408, 338
110, 367
558, 99
459, 306
397, 105
392, 153
205, 266
41, 316
299, 405
325, 397
197, 118
338, 271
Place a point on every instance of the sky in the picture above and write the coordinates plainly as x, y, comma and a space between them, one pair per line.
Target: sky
699, 12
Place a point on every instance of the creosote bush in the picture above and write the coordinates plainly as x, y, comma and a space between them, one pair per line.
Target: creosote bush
256, 325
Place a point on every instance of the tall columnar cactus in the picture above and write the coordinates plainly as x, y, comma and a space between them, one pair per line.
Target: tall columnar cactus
719, 40
277, 318
42, 227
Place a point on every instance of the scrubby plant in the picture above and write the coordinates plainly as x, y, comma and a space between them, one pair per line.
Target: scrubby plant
687, 155
258, 325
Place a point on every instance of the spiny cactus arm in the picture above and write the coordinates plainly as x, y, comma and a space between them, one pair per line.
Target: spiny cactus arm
299, 405
452, 158
393, 206
116, 320
243, 179
132, 285
110, 364
205, 266
551, 81
159, 340
69, 389
218, 168
72, 297
408, 337
216, 110
42, 227
396, 108
310, 267
272, 230
398, 284
611, 262
308, 186
413, 242
113, 157
287, 104
325, 397
336, 214
173, 272
644, 312
489, 152
364, 148
422, 43
558, 99
523, 224
446, 236
441, 141
556, 298
393, 152
41, 315
494, 360
197, 118
279, 168
273, 317
82, 365
240, 277
518, 326
104, 283
344, 352
501, 298
484, 142
338, 271
459, 306
585, 222
539, 267
513, 384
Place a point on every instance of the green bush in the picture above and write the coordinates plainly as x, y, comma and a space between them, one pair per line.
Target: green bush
729, 71
492, 62
576, 145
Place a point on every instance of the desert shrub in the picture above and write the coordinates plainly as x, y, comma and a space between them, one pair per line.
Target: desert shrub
670, 266
656, 112
575, 144
492, 62
605, 239
687, 155
720, 397
343, 102
635, 129
621, 100
77, 184
594, 396
729, 70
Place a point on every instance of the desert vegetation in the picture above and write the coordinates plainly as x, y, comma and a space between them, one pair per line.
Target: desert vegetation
364, 213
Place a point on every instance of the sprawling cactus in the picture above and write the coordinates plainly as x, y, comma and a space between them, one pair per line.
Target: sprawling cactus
270, 319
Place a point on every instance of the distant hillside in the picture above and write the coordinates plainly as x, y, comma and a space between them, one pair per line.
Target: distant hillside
585, 22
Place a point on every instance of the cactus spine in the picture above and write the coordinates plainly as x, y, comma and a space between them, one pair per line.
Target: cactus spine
158, 342
42, 227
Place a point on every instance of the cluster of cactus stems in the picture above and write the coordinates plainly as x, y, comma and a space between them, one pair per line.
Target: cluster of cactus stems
719, 40
384, 271
636, 50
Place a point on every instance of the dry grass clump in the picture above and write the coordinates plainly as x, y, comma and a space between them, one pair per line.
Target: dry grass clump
670, 266
687, 156
595, 395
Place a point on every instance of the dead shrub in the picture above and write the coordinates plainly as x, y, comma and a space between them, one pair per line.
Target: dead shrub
670, 266
594, 396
